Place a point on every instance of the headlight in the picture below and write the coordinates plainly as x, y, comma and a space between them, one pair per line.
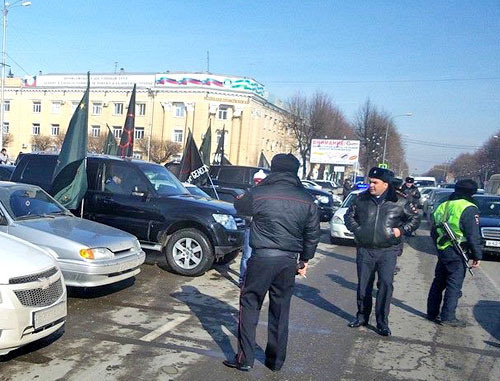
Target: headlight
322, 199
225, 220
337, 220
137, 245
96, 253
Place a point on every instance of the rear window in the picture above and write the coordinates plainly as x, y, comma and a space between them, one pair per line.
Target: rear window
232, 175
39, 170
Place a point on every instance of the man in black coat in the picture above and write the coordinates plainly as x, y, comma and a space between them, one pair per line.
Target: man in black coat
284, 229
378, 218
410, 190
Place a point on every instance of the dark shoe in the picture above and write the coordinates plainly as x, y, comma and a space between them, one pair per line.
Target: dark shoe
236, 365
357, 323
384, 331
434, 319
454, 323
272, 367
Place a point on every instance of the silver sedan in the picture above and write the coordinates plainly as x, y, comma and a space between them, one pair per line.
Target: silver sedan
89, 254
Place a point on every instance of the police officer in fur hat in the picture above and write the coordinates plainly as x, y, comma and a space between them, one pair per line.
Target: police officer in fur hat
378, 218
462, 216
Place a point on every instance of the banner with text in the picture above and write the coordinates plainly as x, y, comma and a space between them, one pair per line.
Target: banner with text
334, 151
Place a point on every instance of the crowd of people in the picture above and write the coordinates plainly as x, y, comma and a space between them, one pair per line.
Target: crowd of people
277, 249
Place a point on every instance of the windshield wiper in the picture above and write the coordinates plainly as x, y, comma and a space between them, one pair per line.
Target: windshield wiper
60, 213
33, 216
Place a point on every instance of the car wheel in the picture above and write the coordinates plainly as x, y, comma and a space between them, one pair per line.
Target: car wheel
229, 257
189, 252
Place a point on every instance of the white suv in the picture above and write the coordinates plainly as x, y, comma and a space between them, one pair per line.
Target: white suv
32, 294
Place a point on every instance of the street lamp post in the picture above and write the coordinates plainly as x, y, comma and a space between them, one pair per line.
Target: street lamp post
387, 131
5, 10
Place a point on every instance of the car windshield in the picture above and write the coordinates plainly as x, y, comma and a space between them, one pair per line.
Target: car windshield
29, 203
164, 182
424, 183
349, 200
488, 206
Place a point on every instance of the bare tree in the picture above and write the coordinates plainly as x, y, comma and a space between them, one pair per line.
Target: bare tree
96, 143
58, 140
159, 152
7, 139
42, 142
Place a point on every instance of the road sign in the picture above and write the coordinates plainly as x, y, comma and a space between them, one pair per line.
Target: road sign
383, 165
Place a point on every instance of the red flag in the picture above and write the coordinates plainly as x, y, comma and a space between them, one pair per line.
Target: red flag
126, 147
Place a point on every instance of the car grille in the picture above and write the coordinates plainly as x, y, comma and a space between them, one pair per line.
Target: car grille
240, 222
38, 297
490, 233
33, 277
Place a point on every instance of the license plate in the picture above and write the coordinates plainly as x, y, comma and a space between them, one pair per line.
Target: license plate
49, 315
493, 243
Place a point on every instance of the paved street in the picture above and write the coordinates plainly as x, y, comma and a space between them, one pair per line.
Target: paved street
166, 327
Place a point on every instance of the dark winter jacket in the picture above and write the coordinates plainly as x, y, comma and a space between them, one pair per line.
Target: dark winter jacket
412, 193
372, 220
285, 217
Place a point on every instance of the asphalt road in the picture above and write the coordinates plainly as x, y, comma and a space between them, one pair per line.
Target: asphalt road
167, 327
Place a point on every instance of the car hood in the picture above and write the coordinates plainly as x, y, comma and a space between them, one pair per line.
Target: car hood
45, 231
217, 206
19, 258
489, 222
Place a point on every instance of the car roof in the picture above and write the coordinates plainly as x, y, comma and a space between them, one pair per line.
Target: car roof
95, 156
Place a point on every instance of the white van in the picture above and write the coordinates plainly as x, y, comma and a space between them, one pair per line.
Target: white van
425, 181
32, 294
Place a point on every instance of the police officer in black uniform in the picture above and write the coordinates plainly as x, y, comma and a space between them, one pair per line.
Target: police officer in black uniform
462, 216
284, 229
411, 191
378, 218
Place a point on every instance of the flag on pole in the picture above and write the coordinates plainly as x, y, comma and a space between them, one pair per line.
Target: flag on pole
191, 167
110, 145
126, 147
219, 156
263, 163
69, 180
206, 145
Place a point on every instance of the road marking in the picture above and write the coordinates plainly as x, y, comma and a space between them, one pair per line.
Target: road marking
164, 328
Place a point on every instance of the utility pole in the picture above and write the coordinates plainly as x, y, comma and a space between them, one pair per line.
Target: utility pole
208, 61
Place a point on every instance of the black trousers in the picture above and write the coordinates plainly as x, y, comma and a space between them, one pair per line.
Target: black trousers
276, 275
448, 277
382, 262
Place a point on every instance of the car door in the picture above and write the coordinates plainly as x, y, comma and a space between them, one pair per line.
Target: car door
122, 199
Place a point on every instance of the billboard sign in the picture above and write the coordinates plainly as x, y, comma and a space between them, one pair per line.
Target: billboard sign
334, 151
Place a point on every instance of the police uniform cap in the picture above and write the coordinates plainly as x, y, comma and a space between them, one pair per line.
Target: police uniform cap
466, 187
283, 162
386, 175
410, 179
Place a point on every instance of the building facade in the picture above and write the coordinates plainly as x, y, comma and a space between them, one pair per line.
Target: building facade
168, 105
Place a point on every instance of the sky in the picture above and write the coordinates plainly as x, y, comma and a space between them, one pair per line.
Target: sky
439, 60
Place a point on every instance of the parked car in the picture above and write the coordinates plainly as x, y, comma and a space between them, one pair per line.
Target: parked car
32, 294
6, 172
489, 222
429, 204
153, 205
235, 176
325, 202
89, 254
327, 184
423, 181
424, 195
194, 190
311, 184
338, 230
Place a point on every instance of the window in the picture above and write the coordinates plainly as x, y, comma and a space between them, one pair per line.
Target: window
122, 179
37, 106
6, 106
222, 114
231, 175
179, 110
36, 128
178, 136
56, 107
137, 155
97, 108
118, 108
141, 109
139, 133
117, 131
6, 127
74, 105
54, 129
96, 131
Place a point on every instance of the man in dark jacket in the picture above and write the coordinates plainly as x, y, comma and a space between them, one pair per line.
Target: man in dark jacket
284, 229
347, 188
378, 218
462, 216
411, 191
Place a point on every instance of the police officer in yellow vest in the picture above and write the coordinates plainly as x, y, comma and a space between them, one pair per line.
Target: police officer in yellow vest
463, 217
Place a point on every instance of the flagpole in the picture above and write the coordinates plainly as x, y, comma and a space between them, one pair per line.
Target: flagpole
83, 199
223, 141
213, 186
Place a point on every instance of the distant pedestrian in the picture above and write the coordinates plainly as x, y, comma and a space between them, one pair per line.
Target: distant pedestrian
247, 250
411, 191
378, 218
347, 188
462, 216
284, 229
4, 158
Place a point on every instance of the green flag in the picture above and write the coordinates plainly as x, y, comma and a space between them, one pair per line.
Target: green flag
206, 144
69, 181
110, 145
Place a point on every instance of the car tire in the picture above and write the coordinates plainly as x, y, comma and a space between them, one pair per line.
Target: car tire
228, 258
199, 251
